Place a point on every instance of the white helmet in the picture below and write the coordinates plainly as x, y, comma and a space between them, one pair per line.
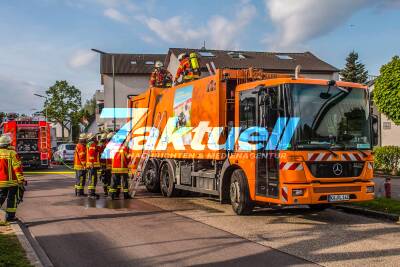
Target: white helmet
5, 140
159, 64
182, 56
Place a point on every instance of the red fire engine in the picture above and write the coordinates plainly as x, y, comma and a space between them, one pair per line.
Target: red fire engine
31, 139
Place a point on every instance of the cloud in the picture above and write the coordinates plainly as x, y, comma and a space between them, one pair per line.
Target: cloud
301, 21
220, 32
114, 14
19, 98
81, 58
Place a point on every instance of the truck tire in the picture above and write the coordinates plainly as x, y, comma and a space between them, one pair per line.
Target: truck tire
167, 182
151, 176
239, 193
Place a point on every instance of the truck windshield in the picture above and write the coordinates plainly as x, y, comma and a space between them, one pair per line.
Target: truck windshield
329, 118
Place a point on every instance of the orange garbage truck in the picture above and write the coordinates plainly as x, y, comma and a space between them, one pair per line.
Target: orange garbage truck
254, 138
31, 139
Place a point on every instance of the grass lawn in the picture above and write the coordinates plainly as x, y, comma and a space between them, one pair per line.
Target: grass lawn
381, 204
11, 252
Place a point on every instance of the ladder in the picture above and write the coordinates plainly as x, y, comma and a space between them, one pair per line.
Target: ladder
44, 156
138, 176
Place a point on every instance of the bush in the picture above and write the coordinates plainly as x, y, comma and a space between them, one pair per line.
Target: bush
387, 158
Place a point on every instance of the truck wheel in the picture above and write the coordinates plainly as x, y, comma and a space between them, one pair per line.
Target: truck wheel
151, 176
239, 193
167, 180
319, 207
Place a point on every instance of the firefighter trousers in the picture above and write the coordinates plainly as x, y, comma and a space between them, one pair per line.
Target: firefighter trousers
119, 181
9, 193
92, 181
106, 179
80, 179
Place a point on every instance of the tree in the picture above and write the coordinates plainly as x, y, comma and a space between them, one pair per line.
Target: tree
63, 105
354, 71
387, 90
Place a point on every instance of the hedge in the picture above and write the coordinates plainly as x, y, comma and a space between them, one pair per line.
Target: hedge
387, 159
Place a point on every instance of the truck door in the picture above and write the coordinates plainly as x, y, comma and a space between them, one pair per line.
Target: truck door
267, 171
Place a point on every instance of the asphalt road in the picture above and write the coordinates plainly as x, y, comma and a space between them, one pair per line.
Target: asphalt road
77, 231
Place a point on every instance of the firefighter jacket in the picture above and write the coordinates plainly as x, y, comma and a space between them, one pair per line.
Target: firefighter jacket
92, 155
80, 157
120, 161
160, 78
185, 69
10, 168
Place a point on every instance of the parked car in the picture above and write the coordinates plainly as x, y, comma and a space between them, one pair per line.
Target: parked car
64, 153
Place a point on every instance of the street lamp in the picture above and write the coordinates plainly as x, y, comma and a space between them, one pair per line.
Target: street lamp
42, 96
113, 78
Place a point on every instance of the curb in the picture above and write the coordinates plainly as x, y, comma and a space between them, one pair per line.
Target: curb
34, 251
369, 213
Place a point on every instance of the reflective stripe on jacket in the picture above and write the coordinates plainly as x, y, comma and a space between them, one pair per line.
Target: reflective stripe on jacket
92, 155
120, 161
11, 173
80, 157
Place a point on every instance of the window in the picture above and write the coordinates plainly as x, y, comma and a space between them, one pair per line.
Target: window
237, 55
149, 62
133, 62
284, 57
387, 125
206, 54
247, 109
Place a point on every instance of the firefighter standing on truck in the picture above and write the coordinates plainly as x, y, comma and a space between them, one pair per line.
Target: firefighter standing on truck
189, 67
120, 170
160, 77
92, 164
80, 165
104, 177
11, 178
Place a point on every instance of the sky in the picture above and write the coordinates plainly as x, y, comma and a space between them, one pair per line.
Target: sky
42, 41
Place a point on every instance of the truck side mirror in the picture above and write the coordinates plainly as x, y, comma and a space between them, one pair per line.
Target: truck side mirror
375, 130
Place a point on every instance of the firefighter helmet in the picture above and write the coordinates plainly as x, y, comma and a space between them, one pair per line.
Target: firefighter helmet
5, 140
82, 136
89, 136
110, 135
103, 136
159, 64
182, 56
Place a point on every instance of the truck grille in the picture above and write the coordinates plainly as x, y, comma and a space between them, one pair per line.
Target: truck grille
331, 169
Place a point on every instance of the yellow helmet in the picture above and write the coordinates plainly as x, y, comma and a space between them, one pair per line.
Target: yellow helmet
89, 136
110, 135
82, 136
5, 140
159, 64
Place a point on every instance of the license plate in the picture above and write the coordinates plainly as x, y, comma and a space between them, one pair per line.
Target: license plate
336, 198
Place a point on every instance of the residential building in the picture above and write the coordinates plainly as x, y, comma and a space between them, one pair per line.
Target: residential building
388, 131
311, 66
132, 73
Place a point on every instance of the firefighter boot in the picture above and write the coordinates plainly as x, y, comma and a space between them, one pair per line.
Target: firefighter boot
127, 196
105, 191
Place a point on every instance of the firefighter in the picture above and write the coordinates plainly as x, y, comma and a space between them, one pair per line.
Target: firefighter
11, 178
92, 164
103, 163
160, 77
108, 162
120, 162
188, 68
80, 165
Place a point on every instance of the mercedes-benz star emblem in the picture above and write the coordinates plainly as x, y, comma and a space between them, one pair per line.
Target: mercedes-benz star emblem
337, 169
